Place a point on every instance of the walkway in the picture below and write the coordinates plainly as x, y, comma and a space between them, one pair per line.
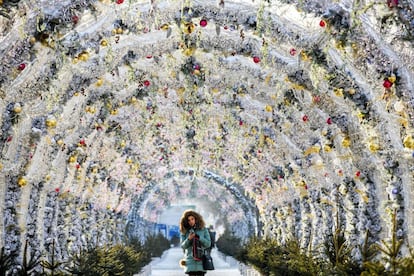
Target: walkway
168, 265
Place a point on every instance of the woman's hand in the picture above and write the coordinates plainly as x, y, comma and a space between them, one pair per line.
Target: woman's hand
191, 236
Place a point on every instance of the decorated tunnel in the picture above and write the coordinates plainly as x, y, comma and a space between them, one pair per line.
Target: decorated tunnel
285, 118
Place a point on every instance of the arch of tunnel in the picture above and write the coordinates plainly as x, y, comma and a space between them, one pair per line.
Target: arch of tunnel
283, 118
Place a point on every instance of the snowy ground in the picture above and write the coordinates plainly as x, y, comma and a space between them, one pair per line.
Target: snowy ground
168, 265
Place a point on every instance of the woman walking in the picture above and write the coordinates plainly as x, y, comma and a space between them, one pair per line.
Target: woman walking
194, 239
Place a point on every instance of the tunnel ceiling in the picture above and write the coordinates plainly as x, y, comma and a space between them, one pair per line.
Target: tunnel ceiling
286, 100
221, 201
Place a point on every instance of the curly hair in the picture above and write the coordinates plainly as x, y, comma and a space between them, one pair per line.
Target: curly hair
184, 226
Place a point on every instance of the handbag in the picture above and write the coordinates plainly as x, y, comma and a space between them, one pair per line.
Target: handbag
207, 261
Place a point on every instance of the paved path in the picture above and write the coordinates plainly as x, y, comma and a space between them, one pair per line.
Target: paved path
168, 265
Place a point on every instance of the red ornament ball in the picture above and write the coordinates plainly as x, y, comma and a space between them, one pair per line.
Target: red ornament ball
82, 142
147, 83
21, 66
305, 118
292, 52
329, 121
203, 23
322, 23
75, 19
256, 59
387, 83
119, 1
392, 3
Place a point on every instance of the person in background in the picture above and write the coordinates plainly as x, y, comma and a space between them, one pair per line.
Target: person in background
212, 238
194, 239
